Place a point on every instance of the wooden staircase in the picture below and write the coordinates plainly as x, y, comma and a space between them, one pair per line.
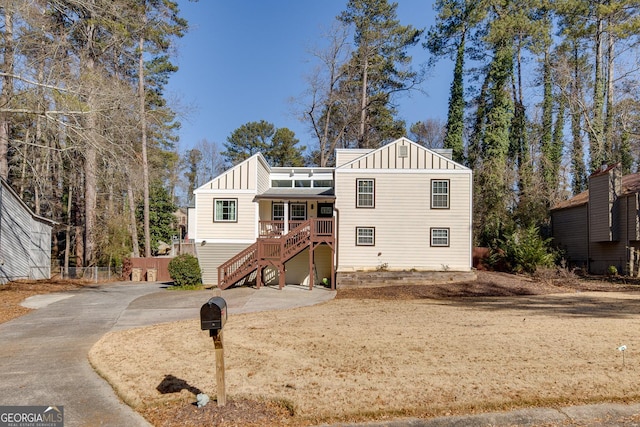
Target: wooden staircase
273, 250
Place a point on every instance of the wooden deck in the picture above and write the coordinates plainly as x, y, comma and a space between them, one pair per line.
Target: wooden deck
275, 248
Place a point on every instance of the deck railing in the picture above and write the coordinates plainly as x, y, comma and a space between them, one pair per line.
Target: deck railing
276, 228
273, 248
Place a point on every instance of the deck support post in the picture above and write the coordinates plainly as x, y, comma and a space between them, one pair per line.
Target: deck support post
259, 276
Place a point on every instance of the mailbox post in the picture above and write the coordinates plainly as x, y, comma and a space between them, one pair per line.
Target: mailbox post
213, 316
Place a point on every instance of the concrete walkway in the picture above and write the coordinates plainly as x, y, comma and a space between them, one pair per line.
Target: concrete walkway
44, 353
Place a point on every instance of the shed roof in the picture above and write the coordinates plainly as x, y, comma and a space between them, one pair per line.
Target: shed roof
297, 193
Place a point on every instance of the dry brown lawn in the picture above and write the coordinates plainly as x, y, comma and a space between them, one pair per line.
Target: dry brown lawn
423, 351
13, 293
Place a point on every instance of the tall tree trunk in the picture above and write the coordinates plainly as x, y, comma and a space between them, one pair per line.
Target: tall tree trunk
145, 163
577, 152
547, 125
67, 248
132, 218
595, 133
363, 104
90, 152
7, 91
608, 131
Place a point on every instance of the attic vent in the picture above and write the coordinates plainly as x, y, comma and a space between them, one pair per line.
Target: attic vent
403, 151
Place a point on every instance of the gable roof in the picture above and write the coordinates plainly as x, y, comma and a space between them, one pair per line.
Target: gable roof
392, 156
258, 156
39, 218
630, 185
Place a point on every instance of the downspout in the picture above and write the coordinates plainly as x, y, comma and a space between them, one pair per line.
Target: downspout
336, 245
589, 235
1, 215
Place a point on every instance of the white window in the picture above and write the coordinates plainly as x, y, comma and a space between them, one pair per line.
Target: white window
439, 237
365, 236
365, 197
277, 212
440, 194
225, 210
298, 211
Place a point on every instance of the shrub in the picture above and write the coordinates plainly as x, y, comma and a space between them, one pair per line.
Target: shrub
185, 270
523, 251
612, 270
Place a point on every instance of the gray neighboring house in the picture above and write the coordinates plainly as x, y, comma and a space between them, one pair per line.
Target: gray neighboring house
25, 239
600, 227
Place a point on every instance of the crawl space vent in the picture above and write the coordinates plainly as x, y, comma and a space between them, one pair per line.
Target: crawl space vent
403, 151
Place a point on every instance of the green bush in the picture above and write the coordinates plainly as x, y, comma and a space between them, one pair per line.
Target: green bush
523, 251
185, 270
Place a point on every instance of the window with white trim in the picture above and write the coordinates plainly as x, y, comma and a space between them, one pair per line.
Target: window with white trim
365, 189
365, 236
225, 210
439, 237
298, 211
440, 194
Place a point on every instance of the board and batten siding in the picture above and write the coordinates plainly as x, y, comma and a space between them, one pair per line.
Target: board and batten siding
402, 155
346, 155
243, 176
241, 183
403, 219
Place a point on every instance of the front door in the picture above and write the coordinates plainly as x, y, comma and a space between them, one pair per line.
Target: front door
325, 210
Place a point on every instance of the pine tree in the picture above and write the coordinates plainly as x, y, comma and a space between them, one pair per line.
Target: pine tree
383, 68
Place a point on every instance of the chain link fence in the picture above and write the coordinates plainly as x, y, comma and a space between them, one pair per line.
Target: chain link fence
95, 274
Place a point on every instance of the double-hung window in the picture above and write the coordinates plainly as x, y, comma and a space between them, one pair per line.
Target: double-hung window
439, 194
439, 237
277, 212
225, 210
365, 236
365, 193
298, 211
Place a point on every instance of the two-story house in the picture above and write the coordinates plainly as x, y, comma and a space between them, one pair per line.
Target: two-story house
600, 227
398, 207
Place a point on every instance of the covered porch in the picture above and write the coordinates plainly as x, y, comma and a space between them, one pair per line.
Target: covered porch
295, 229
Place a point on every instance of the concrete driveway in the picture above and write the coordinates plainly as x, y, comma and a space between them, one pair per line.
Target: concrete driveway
44, 353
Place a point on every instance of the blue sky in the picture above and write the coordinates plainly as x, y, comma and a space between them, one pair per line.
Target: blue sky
243, 61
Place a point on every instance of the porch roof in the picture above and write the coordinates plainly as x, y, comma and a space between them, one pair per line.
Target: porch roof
297, 193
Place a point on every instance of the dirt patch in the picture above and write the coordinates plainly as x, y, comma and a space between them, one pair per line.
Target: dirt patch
499, 343
13, 293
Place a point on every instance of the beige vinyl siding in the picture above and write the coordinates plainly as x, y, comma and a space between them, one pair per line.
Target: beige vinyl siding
298, 267
570, 234
243, 229
212, 255
402, 219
